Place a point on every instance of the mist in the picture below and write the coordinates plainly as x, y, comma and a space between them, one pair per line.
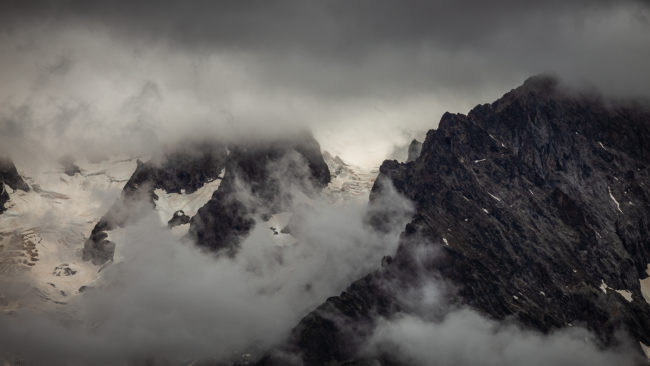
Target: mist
464, 337
165, 300
433, 330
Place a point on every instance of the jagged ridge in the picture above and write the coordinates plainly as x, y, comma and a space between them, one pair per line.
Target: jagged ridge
536, 200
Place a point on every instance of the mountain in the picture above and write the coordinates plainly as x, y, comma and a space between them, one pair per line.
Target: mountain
181, 172
197, 190
533, 210
537, 210
270, 173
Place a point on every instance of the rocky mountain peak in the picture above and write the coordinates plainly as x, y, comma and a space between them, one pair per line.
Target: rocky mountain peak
538, 206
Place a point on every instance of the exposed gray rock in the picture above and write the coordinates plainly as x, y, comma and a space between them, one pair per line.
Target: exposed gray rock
63, 270
180, 218
414, 150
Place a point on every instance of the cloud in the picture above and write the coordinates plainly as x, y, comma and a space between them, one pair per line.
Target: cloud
168, 301
432, 331
466, 338
357, 74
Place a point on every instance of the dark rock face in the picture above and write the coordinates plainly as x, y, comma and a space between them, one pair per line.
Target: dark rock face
63, 270
186, 168
534, 202
179, 218
268, 172
9, 176
4, 197
414, 150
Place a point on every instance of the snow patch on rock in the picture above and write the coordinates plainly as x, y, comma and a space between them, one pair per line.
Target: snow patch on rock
495, 197
627, 294
603, 286
618, 206
189, 203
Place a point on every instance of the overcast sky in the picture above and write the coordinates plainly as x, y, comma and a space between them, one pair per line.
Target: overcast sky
363, 75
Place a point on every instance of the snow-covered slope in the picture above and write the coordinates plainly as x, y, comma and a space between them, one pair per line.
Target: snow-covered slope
43, 230
170, 204
348, 181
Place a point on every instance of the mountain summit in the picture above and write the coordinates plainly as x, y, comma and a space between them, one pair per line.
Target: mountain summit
535, 208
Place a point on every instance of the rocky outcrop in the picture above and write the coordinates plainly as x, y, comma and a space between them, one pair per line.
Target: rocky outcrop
185, 169
538, 206
415, 147
4, 197
261, 179
179, 218
9, 177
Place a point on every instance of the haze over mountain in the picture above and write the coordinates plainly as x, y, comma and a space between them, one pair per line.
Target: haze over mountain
322, 183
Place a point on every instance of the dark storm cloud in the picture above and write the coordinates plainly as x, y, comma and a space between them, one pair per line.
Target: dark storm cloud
334, 30
391, 48
333, 64
343, 25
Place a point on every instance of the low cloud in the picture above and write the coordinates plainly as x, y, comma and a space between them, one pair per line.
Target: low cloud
432, 332
464, 337
168, 301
